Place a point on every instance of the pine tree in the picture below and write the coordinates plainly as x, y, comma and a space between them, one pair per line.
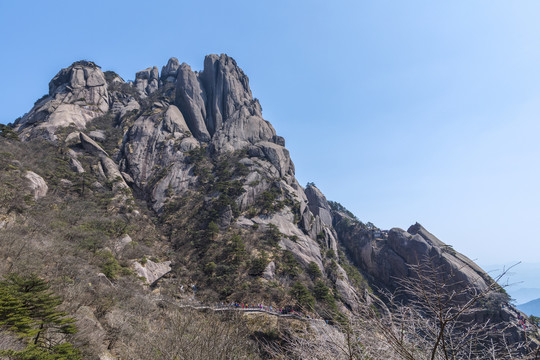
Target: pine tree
29, 308
13, 314
302, 295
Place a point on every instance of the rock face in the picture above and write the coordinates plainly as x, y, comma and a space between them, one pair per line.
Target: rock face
386, 257
218, 105
318, 205
153, 154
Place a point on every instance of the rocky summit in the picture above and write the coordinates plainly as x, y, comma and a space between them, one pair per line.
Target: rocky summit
145, 203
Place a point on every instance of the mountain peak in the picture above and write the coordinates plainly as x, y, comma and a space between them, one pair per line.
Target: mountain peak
77, 94
192, 152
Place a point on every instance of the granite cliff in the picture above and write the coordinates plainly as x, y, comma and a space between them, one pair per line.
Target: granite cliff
191, 152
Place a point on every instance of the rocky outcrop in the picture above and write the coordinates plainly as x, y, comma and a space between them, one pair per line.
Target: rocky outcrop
152, 271
91, 146
147, 80
227, 91
458, 258
107, 169
83, 83
77, 94
218, 105
37, 185
191, 100
387, 258
170, 71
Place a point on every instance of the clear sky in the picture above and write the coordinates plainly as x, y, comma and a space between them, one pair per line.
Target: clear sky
403, 111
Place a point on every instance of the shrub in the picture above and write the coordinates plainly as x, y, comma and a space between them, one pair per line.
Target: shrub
322, 293
237, 249
289, 265
302, 295
272, 235
110, 75
110, 266
212, 230
8, 133
86, 63
313, 270
209, 268
334, 205
258, 265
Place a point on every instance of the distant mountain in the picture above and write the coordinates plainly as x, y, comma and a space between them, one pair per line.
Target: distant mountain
522, 279
524, 295
531, 308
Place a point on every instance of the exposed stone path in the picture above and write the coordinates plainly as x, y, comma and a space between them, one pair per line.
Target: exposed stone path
245, 309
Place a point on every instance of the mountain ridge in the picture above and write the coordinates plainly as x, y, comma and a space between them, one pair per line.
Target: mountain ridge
531, 307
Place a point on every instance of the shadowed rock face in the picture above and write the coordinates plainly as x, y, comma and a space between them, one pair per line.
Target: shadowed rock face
385, 257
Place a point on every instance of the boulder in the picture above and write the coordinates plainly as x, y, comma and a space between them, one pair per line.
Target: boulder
94, 333
270, 271
91, 146
121, 243
37, 185
132, 106
72, 139
152, 271
66, 182
76, 165
97, 135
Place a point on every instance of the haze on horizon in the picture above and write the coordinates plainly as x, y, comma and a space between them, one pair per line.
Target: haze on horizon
402, 112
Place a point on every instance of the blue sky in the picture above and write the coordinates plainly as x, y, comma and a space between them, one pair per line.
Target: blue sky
403, 111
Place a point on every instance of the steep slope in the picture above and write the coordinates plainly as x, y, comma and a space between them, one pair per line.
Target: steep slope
185, 163
176, 135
